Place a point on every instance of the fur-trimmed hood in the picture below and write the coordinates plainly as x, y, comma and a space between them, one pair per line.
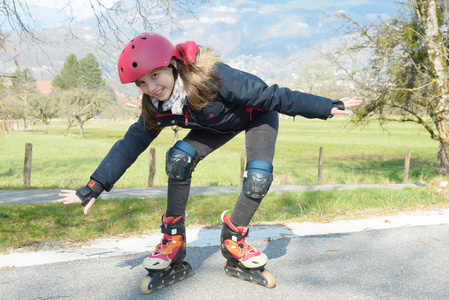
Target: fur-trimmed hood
206, 60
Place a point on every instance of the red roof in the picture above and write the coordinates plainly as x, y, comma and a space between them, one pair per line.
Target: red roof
44, 87
130, 101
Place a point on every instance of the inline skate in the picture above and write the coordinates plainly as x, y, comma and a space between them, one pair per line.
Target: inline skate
165, 264
243, 260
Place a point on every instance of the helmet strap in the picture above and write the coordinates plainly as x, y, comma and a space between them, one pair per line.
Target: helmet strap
175, 69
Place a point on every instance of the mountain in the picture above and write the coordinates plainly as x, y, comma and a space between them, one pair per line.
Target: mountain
266, 37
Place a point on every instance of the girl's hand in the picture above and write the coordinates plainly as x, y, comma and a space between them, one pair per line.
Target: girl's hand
349, 102
70, 197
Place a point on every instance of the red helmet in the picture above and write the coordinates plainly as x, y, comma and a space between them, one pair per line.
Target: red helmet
143, 54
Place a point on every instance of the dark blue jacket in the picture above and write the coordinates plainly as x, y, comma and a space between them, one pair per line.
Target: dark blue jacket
242, 96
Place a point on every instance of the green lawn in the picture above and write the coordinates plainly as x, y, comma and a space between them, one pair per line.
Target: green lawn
351, 155
33, 225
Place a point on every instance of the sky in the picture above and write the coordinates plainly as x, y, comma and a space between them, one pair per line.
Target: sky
81, 7
288, 24
78, 8
227, 11
270, 29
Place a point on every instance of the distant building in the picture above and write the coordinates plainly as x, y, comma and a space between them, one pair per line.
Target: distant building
130, 101
44, 87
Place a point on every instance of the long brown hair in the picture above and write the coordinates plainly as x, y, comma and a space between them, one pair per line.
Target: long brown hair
201, 84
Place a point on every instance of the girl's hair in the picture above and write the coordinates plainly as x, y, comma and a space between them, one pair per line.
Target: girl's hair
201, 84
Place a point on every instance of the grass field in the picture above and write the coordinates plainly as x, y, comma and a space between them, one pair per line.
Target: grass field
351, 155
36, 225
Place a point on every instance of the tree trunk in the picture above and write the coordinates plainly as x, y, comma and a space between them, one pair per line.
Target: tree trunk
25, 110
443, 162
81, 124
434, 43
68, 128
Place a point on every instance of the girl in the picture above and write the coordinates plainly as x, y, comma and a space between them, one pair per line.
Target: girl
191, 87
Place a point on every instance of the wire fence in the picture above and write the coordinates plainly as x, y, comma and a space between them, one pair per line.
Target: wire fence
322, 170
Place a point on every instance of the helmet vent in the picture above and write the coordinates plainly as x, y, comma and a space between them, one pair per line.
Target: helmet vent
133, 47
134, 65
121, 70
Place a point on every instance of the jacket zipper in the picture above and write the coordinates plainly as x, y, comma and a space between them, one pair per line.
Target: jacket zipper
186, 116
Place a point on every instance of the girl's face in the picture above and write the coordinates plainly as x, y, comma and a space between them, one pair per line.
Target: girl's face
158, 83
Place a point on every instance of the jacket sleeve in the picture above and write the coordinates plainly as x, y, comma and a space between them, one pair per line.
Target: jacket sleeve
250, 91
123, 154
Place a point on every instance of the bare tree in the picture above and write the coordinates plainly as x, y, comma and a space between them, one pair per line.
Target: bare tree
317, 75
111, 17
80, 105
11, 111
399, 67
23, 85
43, 108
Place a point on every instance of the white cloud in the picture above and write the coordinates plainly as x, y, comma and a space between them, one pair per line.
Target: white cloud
79, 9
224, 9
267, 9
288, 27
322, 4
213, 20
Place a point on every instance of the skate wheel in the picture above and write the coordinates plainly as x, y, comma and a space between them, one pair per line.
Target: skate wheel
170, 282
159, 287
269, 278
144, 285
173, 281
181, 278
242, 278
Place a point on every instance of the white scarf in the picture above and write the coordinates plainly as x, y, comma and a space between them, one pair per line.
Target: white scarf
176, 100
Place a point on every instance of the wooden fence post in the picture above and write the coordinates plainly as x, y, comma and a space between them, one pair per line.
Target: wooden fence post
406, 165
152, 170
27, 164
320, 166
176, 131
242, 164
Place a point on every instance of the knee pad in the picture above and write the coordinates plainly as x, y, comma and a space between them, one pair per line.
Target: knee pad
257, 179
180, 161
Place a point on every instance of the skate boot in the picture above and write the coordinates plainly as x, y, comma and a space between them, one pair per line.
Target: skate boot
165, 264
243, 260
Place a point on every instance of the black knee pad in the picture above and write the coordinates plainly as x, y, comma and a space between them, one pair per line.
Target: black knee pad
180, 161
257, 179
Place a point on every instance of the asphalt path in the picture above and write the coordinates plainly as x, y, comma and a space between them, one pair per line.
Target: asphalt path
399, 263
51, 195
401, 256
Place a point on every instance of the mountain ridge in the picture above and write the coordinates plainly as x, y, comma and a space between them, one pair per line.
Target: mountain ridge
268, 38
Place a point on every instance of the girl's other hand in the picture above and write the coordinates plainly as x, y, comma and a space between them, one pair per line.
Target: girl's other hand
70, 197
